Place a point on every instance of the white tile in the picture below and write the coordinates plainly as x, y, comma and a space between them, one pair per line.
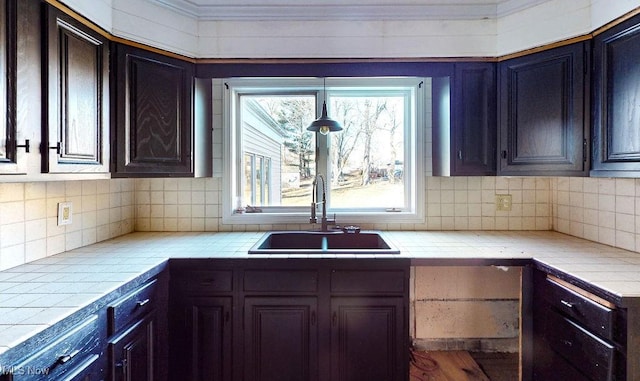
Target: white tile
625, 204
625, 187
607, 202
10, 192
12, 256
73, 188
35, 230
12, 212
606, 186
35, 190
12, 234
55, 189
89, 188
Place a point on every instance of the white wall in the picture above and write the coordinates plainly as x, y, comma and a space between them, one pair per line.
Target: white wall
603, 11
553, 21
148, 23
350, 39
98, 11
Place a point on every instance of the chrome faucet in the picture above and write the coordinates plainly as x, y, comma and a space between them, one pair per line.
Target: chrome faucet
325, 222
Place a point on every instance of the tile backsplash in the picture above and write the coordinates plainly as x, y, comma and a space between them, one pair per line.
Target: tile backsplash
604, 210
102, 209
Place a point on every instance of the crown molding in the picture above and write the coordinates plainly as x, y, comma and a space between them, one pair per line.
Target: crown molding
216, 10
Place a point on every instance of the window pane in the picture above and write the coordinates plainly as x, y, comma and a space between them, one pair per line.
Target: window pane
274, 128
259, 200
367, 156
249, 197
267, 182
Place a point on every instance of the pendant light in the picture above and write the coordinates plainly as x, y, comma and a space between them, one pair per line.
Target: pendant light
324, 124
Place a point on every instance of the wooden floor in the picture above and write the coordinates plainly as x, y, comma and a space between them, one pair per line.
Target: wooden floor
498, 366
463, 366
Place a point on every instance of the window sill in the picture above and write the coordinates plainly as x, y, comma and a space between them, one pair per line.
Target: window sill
342, 219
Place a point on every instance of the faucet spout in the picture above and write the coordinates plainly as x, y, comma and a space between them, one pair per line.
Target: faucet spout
324, 221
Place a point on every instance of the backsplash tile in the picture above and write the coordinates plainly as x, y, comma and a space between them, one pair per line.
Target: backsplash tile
452, 203
102, 209
603, 210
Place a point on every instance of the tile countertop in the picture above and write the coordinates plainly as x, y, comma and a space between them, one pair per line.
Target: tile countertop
38, 294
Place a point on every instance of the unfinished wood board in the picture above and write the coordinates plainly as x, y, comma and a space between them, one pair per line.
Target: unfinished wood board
445, 366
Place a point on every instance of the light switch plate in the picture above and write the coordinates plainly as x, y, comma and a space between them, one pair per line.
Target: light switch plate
65, 213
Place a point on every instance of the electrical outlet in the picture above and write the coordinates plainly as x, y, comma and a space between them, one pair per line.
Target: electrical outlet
65, 213
503, 202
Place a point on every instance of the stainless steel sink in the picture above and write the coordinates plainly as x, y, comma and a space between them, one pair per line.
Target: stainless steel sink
311, 242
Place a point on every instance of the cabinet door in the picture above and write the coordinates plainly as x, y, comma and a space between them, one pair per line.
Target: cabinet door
131, 353
281, 338
366, 338
8, 52
616, 100
77, 97
208, 345
541, 113
153, 126
474, 120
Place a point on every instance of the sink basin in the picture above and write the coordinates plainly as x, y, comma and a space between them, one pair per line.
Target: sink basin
310, 242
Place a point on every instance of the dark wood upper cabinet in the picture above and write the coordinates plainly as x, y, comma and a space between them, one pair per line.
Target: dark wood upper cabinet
541, 112
616, 101
474, 120
153, 112
8, 52
76, 110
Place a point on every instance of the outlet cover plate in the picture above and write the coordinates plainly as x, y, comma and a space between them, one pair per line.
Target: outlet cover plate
503, 202
65, 213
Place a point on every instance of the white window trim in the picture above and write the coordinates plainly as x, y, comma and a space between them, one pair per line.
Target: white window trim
296, 215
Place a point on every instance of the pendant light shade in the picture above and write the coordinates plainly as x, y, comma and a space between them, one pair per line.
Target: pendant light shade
324, 124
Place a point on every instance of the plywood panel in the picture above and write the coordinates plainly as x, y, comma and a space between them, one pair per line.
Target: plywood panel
466, 319
467, 282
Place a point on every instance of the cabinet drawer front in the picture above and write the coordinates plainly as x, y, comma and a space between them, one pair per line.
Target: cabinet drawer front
590, 314
65, 357
132, 306
198, 282
368, 281
590, 354
557, 368
281, 280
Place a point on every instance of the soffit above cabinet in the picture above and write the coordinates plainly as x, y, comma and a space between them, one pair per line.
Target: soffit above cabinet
347, 10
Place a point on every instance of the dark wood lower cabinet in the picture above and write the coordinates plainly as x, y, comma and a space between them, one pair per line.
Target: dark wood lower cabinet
280, 338
575, 335
208, 322
132, 352
288, 320
367, 339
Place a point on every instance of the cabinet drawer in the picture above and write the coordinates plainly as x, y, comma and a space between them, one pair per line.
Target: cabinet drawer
588, 313
66, 357
88, 370
281, 280
132, 306
557, 368
198, 282
592, 355
368, 281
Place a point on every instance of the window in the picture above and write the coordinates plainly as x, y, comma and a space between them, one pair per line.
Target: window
370, 168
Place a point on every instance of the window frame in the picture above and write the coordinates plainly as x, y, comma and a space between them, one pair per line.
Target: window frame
414, 149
